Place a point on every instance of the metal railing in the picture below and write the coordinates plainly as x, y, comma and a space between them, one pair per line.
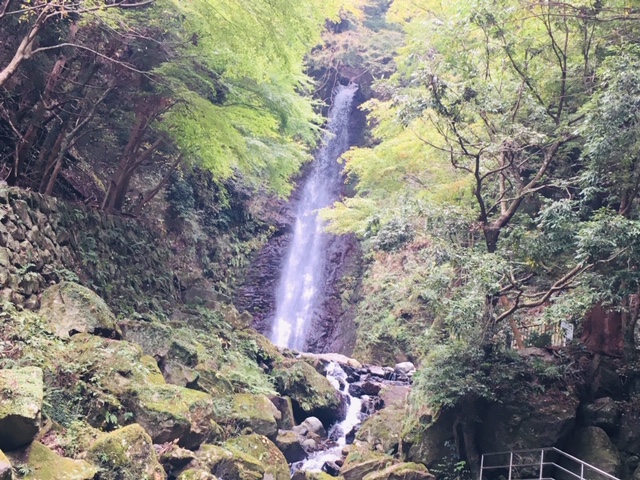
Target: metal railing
543, 461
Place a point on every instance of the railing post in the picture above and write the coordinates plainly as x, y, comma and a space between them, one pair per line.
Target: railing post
510, 464
481, 466
581, 471
541, 462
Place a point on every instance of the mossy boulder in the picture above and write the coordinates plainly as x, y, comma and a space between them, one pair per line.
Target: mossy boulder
225, 463
169, 412
290, 444
425, 440
593, 445
264, 451
383, 430
6, 472
285, 407
360, 462
304, 475
126, 453
21, 395
71, 308
402, 471
44, 464
542, 419
311, 393
255, 412
194, 474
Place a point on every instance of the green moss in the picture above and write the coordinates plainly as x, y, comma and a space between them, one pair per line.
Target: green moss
43, 464
264, 451
308, 389
253, 411
126, 453
70, 307
193, 474
21, 395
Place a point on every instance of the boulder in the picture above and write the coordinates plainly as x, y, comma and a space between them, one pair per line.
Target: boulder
126, 453
314, 425
285, 407
44, 464
255, 412
603, 413
6, 472
310, 392
338, 358
395, 395
404, 368
402, 471
542, 419
71, 308
628, 438
361, 462
194, 474
264, 451
428, 437
175, 458
383, 430
290, 444
592, 445
21, 395
224, 463
169, 412
304, 475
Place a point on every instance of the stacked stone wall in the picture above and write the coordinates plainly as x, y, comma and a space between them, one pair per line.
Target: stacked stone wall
44, 240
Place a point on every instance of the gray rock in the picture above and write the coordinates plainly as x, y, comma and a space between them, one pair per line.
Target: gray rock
290, 444
376, 371
603, 413
315, 425
6, 473
21, 395
404, 368
593, 445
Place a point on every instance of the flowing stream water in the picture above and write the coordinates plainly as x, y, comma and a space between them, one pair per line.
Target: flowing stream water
301, 286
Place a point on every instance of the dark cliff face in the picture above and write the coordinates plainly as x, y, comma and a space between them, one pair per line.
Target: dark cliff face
333, 328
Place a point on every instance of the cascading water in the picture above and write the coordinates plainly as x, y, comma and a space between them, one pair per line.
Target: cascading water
301, 285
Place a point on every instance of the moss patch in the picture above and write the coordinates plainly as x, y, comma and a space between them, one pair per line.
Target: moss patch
41, 463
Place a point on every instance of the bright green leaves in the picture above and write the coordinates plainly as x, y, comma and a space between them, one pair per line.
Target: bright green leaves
237, 73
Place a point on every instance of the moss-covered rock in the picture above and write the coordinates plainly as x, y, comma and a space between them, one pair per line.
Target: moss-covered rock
383, 429
542, 419
264, 451
290, 444
126, 453
225, 463
310, 392
71, 308
42, 463
300, 475
169, 412
194, 474
402, 471
21, 394
255, 412
6, 472
361, 461
285, 407
427, 438
593, 445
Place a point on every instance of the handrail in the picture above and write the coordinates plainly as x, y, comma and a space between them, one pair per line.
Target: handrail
541, 464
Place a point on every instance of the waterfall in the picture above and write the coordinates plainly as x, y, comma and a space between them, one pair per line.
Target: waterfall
301, 286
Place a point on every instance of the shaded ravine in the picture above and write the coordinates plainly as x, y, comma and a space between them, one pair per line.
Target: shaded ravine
300, 292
